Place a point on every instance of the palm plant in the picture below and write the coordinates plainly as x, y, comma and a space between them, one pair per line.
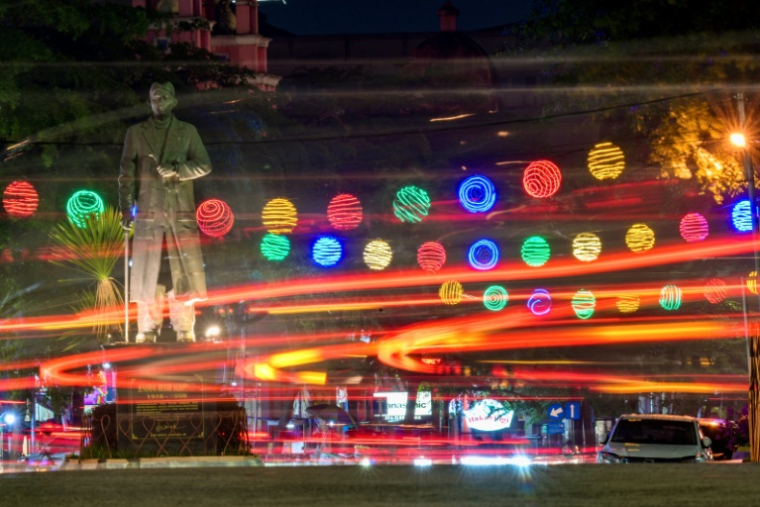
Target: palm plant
94, 250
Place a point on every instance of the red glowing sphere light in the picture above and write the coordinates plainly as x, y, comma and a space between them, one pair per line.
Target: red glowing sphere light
215, 218
542, 178
694, 227
431, 256
344, 212
715, 290
20, 199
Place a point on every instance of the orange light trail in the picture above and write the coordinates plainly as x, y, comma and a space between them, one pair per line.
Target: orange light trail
615, 384
513, 271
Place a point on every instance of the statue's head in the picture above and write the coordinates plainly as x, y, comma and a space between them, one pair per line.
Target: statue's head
162, 100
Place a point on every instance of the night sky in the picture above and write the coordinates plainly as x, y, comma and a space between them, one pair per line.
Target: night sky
304, 17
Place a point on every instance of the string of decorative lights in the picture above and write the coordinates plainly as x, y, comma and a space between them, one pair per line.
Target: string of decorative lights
279, 216
477, 194
431, 256
344, 212
327, 251
606, 161
483, 255
215, 218
495, 298
275, 247
378, 254
411, 204
83, 204
542, 179
639, 238
583, 304
751, 282
694, 227
535, 251
715, 290
451, 292
20, 199
741, 216
628, 303
670, 297
540, 302
587, 247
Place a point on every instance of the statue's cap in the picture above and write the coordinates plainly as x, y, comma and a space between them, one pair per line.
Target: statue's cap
162, 86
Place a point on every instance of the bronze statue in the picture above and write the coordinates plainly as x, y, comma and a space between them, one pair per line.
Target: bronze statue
162, 156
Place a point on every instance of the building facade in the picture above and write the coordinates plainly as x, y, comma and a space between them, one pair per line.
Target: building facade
229, 31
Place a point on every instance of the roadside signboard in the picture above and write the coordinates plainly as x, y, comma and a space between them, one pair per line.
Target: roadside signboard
556, 412
555, 428
572, 410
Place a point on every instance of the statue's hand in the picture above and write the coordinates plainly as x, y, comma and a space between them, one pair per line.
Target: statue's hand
127, 222
167, 172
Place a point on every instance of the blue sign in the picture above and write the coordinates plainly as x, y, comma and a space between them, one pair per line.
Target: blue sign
555, 428
556, 412
573, 410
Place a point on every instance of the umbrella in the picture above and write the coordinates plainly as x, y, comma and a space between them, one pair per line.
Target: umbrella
331, 413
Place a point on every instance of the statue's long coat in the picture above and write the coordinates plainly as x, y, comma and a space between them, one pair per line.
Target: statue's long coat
163, 207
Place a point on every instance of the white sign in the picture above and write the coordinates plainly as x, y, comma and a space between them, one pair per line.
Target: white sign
396, 405
488, 415
424, 406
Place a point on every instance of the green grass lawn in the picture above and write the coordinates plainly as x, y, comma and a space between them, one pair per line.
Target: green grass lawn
580, 485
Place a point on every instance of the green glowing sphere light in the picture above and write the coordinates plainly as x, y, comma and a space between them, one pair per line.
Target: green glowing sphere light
411, 204
584, 304
670, 297
83, 204
495, 298
275, 247
535, 251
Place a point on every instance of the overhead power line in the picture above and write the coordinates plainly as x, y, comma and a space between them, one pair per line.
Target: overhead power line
393, 133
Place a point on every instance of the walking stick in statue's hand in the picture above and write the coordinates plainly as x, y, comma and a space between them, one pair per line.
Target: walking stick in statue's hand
126, 285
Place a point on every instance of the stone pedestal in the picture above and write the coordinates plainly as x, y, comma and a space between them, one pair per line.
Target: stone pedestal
164, 414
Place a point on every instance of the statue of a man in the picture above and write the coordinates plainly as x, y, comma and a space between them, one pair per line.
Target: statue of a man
162, 156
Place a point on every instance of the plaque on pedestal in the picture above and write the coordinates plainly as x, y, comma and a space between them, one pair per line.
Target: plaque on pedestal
166, 415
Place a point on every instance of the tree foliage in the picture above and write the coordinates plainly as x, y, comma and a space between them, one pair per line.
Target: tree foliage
571, 22
71, 61
695, 54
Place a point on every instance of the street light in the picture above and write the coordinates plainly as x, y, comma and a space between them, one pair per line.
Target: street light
8, 419
213, 332
739, 140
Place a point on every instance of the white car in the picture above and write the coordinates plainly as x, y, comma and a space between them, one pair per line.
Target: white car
648, 438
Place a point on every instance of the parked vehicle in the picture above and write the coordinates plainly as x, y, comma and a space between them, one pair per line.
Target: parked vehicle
639, 438
723, 435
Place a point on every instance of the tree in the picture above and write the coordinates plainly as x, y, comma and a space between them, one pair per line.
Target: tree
69, 61
574, 22
688, 55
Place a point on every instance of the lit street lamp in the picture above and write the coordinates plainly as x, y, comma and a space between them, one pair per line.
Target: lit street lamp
8, 419
753, 340
738, 139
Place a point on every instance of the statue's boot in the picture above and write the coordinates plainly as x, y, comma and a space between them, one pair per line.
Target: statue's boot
150, 317
182, 316
145, 338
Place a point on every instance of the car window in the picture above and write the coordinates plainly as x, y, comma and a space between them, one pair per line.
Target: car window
643, 431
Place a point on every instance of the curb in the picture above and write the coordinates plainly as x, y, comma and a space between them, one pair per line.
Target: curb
165, 462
